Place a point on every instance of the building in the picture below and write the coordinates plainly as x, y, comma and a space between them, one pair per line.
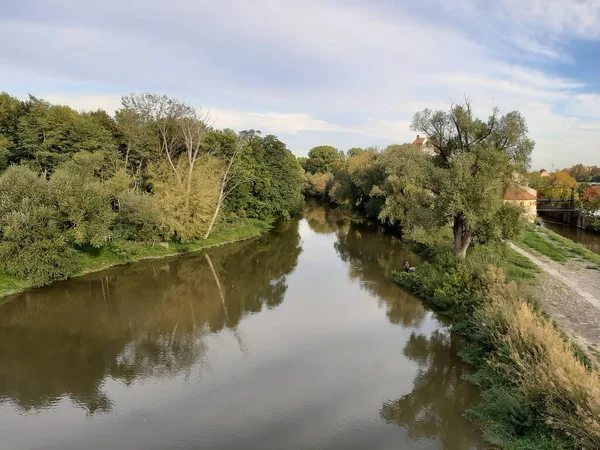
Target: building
524, 197
544, 173
426, 145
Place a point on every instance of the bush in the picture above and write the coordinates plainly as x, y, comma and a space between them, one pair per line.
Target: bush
34, 247
537, 394
125, 250
33, 244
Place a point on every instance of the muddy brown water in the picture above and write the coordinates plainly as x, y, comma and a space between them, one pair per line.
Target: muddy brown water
294, 340
586, 238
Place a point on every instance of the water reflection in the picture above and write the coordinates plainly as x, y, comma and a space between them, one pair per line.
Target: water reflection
429, 411
293, 340
372, 256
143, 320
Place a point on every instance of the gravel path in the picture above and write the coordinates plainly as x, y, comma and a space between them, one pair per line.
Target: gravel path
570, 293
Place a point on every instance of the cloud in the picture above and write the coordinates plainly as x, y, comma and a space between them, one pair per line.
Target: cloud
345, 73
535, 48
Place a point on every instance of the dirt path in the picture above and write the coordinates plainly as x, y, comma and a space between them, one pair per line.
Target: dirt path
570, 293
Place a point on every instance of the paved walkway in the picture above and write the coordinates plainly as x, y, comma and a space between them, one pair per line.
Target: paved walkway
570, 293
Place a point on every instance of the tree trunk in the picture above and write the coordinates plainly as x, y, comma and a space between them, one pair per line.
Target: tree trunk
216, 213
462, 236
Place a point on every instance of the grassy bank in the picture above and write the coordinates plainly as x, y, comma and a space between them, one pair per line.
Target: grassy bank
537, 392
556, 247
123, 252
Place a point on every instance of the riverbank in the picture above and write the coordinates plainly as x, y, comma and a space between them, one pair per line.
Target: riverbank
125, 252
539, 391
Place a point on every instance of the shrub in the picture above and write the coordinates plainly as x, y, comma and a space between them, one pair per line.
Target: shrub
34, 247
32, 244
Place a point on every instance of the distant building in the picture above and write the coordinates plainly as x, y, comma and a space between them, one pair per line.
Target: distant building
524, 197
544, 173
426, 145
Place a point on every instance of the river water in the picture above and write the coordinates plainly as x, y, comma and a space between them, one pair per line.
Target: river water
294, 340
586, 238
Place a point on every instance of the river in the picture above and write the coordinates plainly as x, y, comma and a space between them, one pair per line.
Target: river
586, 238
293, 340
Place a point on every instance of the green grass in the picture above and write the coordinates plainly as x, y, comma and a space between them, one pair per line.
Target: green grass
122, 252
10, 285
572, 247
544, 246
519, 268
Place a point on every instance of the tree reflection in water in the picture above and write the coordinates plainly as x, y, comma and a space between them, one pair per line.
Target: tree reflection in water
429, 411
143, 320
372, 256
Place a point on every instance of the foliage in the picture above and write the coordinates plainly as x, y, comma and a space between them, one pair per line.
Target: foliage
82, 200
462, 185
323, 158
49, 134
186, 219
157, 170
559, 186
32, 244
272, 189
590, 199
536, 392
317, 185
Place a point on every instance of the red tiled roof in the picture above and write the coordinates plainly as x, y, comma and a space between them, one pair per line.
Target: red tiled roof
516, 193
419, 141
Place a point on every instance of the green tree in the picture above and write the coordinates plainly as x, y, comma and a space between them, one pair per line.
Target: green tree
82, 200
476, 160
324, 158
33, 244
49, 135
11, 110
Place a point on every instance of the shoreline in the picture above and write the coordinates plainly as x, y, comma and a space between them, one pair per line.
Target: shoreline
105, 258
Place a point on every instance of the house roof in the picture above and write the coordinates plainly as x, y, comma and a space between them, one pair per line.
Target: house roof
518, 193
419, 141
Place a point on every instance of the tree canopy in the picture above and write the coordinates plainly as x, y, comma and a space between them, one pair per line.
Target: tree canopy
157, 170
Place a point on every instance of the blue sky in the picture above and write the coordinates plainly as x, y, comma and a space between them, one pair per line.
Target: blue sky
345, 73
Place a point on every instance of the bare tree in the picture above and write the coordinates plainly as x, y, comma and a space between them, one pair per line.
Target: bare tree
229, 181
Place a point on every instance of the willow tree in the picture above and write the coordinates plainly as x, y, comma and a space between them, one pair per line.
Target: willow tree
475, 160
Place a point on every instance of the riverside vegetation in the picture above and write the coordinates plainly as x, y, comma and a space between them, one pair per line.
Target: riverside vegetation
539, 391
83, 190
80, 191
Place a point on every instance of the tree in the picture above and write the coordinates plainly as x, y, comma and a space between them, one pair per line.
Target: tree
231, 177
32, 242
324, 158
590, 200
49, 135
11, 110
560, 186
273, 189
458, 131
186, 219
77, 189
406, 188
476, 160
182, 131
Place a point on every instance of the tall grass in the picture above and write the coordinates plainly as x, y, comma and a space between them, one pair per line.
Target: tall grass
536, 393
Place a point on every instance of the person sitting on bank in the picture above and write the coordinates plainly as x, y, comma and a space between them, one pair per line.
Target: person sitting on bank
407, 267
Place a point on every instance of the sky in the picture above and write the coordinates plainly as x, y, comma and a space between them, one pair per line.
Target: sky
347, 73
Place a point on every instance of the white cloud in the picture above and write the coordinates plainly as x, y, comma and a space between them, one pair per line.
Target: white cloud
329, 71
536, 48
109, 103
